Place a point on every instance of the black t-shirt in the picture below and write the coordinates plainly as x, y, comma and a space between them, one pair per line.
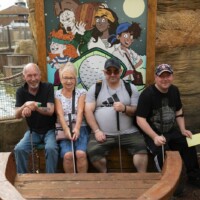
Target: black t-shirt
38, 122
153, 104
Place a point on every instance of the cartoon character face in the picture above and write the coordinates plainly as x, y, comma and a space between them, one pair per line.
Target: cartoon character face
57, 48
102, 24
67, 18
126, 39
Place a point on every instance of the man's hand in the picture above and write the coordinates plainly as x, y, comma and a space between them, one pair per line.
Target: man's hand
26, 112
159, 140
31, 105
187, 133
100, 136
118, 106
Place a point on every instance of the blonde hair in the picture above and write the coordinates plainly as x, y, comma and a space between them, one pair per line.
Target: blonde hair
68, 67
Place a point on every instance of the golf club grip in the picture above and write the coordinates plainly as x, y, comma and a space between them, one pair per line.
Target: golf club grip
115, 97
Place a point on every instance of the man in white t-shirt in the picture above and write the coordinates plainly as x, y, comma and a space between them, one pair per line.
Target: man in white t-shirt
110, 116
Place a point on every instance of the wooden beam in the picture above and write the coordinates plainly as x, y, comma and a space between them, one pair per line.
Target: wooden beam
151, 41
41, 37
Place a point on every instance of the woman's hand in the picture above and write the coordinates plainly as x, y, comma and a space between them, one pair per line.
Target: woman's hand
76, 133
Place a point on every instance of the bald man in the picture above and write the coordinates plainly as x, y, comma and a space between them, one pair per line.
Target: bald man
35, 102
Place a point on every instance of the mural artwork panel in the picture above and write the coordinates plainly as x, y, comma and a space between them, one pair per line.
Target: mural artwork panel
88, 32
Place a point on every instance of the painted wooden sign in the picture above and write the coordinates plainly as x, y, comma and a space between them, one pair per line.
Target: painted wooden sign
88, 32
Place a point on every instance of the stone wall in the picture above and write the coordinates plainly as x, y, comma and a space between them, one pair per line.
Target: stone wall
178, 43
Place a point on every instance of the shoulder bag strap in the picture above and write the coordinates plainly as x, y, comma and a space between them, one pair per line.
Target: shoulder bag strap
73, 101
130, 61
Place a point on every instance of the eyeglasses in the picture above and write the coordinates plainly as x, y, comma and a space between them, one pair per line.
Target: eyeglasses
68, 78
110, 72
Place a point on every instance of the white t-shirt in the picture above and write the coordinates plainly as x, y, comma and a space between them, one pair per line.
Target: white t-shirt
105, 114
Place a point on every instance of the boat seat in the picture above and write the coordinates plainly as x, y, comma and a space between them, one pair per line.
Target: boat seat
113, 163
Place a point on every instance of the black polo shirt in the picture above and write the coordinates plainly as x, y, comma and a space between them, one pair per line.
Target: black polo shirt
38, 122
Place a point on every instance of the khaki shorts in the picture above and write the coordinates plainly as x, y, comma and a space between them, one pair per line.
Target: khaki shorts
134, 143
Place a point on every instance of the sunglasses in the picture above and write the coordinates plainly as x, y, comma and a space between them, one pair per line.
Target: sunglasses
110, 72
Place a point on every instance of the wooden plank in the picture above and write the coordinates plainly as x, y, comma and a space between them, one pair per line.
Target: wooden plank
70, 186
7, 190
120, 193
87, 176
137, 184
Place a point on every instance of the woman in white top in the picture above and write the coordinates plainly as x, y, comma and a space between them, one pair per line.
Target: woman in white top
79, 134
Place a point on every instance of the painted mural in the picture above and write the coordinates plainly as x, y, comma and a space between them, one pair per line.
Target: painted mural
88, 32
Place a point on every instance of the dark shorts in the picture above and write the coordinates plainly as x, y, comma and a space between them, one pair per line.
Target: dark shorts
134, 143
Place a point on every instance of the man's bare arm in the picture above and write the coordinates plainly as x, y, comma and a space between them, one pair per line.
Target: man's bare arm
27, 108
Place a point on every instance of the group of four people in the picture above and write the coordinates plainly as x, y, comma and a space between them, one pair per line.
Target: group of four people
109, 112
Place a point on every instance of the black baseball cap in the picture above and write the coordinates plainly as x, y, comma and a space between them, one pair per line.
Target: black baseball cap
112, 63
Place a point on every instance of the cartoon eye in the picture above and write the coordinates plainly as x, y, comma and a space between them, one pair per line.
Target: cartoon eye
126, 35
103, 20
97, 20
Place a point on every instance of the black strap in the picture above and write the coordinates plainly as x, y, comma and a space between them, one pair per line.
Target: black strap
128, 87
181, 115
130, 61
116, 99
99, 85
97, 89
73, 101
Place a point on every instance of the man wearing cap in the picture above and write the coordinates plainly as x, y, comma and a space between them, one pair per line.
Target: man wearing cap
158, 113
110, 116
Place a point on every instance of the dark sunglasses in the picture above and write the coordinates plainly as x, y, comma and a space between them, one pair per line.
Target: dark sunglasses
110, 72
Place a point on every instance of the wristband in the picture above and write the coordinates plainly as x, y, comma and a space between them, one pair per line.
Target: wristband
124, 109
181, 115
39, 104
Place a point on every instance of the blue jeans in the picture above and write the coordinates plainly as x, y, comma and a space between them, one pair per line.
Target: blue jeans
23, 150
80, 144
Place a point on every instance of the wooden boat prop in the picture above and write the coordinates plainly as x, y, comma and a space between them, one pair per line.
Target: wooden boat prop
141, 186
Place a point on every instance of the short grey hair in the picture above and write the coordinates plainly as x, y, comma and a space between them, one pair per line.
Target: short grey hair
30, 65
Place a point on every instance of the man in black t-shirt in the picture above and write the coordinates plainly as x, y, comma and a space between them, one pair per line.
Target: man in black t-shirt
160, 116
35, 102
